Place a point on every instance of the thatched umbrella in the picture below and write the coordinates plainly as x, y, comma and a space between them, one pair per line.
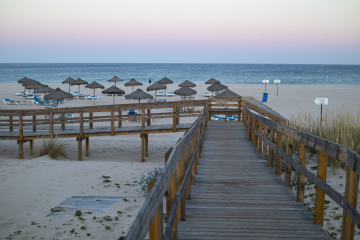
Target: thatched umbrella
156, 86
228, 94
165, 81
57, 95
79, 82
69, 80
113, 90
185, 91
32, 85
216, 87
212, 81
115, 79
26, 80
94, 85
44, 89
138, 95
132, 83
187, 83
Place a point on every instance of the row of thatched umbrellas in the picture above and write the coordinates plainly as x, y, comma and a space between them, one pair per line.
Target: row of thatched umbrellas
58, 94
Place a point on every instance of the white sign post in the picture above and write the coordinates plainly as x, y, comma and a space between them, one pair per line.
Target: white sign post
321, 101
265, 81
277, 86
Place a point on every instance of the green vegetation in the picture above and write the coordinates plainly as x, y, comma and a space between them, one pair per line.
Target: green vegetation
52, 147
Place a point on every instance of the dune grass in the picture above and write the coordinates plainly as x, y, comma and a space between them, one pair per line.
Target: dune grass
53, 147
342, 127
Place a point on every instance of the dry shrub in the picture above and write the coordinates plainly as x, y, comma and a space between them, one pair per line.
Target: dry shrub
53, 147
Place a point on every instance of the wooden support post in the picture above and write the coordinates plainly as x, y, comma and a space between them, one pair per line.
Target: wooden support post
87, 146
271, 151
120, 120
260, 130
253, 124
31, 146
34, 123
209, 108
155, 230
112, 116
264, 147
174, 118
11, 124
248, 129
289, 148
320, 195
351, 194
170, 197
21, 138
187, 161
142, 147
239, 107
191, 155
278, 156
62, 121
91, 124
51, 119
301, 178
81, 124
256, 138
146, 145
180, 173
148, 120
79, 148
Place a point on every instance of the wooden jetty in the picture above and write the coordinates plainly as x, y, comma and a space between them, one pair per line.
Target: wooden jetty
237, 196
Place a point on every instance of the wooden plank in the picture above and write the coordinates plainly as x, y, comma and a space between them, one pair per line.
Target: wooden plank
320, 195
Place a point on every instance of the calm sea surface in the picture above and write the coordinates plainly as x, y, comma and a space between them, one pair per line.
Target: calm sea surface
197, 73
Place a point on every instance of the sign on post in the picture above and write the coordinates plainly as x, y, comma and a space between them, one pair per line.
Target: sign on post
265, 81
321, 101
277, 81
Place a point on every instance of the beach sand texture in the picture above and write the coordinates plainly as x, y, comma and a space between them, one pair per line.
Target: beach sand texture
31, 187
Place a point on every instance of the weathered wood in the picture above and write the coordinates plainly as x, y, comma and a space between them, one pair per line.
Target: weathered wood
320, 195
271, 150
91, 123
146, 145
87, 146
174, 118
148, 117
51, 119
31, 146
82, 124
155, 230
278, 156
112, 126
142, 147
351, 194
301, 177
289, 150
170, 197
120, 119
260, 130
79, 140
264, 146
34, 122
11, 123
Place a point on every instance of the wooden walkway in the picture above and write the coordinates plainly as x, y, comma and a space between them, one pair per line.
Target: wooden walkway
237, 195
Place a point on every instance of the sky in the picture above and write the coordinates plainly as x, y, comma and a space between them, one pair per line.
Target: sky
186, 31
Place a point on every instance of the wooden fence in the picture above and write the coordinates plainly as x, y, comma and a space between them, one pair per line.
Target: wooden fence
175, 181
262, 131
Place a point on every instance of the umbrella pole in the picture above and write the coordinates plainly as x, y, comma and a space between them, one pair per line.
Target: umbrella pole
94, 97
114, 97
69, 87
155, 95
133, 91
165, 90
79, 88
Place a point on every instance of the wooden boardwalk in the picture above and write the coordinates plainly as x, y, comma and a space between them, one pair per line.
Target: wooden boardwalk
237, 195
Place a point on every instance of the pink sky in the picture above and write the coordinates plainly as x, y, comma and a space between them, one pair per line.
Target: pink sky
260, 31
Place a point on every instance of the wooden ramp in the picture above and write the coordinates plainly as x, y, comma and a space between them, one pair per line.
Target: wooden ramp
237, 196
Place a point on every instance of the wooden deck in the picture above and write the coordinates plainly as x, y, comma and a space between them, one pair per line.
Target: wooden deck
237, 195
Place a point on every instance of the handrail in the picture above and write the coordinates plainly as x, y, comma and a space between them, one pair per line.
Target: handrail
326, 148
147, 213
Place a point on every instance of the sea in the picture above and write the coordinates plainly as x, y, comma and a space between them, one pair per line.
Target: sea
320, 74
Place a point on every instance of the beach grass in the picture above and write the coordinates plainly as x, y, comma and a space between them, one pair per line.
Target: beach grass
53, 147
342, 127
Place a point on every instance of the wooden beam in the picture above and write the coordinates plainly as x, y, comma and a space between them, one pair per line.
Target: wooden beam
148, 117
87, 146
320, 195
91, 125
120, 121
278, 156
180, 173
34, 122
21, 137
112, 124
11, 123
264, 147
301, 178
174, 118
79, 148
142, 147
170, 196
260, 130
51, 119
289, 148
146, 145
31, 146
155, 230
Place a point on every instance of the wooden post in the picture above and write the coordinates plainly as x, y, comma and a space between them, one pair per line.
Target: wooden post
81, 124
264, 147
87, 146
351, 194
239, 107
256, 138
180, 173
271, 151
243, 114
187, 161
79, 148
31, 146
170, 197
174, 118
142, 147
253, 124
278, 156
260, 130
301, 178
320, 195
287, 181
191, 155
11, 123
148, 120
34, 123
62, 119
155, 230
209, 108
51, 119
120, 120
146, 145
112, 116
248, 129
21, 138
91, 125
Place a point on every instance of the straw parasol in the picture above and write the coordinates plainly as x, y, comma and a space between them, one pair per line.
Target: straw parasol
187, 83
79, 82
185, 91
216, 87
212, 81
156, 86
132, 83
32, 85
69, 80
94, 85
25, 81
44, 89
228, 94
113, 90
138, 95
115, 79
57, 95
165, 81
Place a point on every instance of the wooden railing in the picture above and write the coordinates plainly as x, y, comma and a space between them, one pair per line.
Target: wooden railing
175, 179
258, 131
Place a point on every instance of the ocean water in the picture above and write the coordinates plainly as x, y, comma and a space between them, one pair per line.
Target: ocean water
197, 73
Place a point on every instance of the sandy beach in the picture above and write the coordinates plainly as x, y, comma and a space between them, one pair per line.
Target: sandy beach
31, 187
